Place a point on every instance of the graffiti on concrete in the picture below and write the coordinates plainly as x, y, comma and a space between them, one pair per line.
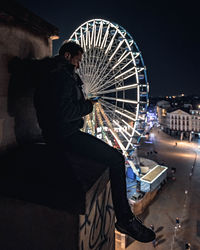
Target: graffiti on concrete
96, 227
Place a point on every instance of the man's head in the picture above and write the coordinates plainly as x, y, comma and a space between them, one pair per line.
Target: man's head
72, 52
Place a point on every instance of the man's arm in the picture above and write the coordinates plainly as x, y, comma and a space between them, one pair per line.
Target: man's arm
70, 109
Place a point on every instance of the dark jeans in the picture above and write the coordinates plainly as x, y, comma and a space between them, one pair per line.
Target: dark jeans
90, 147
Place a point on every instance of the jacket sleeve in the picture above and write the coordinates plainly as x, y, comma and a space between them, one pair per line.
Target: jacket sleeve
69, 107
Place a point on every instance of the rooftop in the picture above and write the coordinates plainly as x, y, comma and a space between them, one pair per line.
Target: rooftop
12, 13
154, 173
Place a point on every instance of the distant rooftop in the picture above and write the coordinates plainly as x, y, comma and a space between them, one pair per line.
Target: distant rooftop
12, 13
154, 173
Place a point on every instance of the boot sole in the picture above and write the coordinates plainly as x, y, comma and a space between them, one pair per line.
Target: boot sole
121, 230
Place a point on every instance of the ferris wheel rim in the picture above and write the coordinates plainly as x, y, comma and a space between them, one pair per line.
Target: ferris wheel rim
136, 85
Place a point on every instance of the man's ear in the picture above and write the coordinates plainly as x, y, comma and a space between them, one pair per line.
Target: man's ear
67, 55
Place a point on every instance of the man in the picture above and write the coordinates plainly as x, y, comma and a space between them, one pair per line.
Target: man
60, 106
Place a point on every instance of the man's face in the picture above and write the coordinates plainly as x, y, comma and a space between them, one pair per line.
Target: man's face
75, 60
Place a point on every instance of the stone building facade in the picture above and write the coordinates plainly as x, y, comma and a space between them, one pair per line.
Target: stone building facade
25, 35
182, 123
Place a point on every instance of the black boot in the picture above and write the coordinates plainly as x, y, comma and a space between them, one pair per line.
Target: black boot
136, 230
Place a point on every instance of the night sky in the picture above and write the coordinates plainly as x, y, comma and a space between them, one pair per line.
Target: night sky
167, 33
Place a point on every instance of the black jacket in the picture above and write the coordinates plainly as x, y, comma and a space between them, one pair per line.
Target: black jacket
59, 101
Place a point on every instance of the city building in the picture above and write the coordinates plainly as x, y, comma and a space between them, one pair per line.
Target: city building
179, 115
182, 123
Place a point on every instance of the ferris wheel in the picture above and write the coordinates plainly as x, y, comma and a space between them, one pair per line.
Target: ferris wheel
112, 68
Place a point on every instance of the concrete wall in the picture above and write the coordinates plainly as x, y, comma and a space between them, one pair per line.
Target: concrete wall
25, 225
97, 225
21, 124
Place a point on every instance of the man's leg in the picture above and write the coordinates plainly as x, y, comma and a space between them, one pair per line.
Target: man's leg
90, 147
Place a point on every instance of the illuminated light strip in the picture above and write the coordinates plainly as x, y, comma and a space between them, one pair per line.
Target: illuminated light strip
127, 138
137, 54
96, 77
137, 132
109, 141
89, 123
131, 43
130, 76
127, 125
114, 108
127, 116
133, 68
133, 167
127, 86
126, 65
83, 41
111, 128
119, 100
142, 118
121, 59
76, 38
140, 69
81, 37
99, 34
93, 121
122, 129
105, 37
101, 123
92, 35
118, 89
111, 57
111, 42
124, 54
118, 141
85, 124
86, 42
112, 78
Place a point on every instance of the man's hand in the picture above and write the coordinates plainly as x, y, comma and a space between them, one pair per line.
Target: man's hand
93, 101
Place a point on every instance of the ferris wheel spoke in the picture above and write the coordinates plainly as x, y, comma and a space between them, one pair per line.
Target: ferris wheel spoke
122, 129
118, 109
122, 58
111, 128
123, 88
98, 40
125, 115
119, 114
83, 40
98, 78
115, 77
115, 51
103, 44
120, 100
93, 39
125, 72
102, 78
111, 42
100, 59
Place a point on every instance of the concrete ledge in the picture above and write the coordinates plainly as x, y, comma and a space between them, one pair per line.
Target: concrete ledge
44, 207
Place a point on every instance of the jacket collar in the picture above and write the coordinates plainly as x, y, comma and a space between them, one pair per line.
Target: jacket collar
62, 62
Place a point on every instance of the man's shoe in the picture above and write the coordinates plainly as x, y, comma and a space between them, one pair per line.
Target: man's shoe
136, 230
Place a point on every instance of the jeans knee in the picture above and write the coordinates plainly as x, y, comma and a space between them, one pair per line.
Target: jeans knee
118, 158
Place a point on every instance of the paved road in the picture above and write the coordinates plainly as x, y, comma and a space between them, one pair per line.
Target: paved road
173, 200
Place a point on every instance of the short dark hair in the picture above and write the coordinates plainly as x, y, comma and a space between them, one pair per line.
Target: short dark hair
72, 47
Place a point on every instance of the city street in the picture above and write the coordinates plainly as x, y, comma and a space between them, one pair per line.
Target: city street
177, 198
